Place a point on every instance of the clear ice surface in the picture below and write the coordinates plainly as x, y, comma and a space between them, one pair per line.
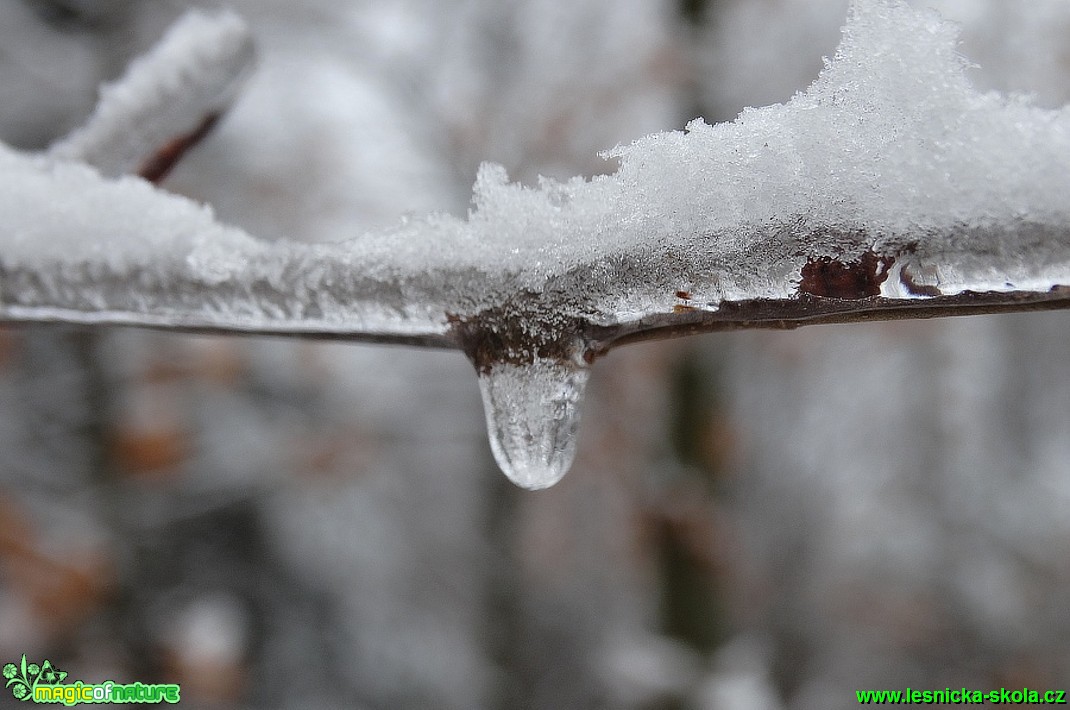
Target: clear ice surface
533, 412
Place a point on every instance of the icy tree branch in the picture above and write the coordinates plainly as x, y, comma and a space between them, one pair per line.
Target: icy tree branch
889, 189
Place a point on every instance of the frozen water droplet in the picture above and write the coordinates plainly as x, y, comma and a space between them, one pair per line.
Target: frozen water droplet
533, 412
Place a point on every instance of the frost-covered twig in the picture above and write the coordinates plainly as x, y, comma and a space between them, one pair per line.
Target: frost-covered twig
889, 189
166, 100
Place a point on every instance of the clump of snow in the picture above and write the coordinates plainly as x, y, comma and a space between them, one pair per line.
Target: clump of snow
64, 215
891, 142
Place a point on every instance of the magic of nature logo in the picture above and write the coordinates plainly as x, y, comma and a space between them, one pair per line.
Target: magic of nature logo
43, 683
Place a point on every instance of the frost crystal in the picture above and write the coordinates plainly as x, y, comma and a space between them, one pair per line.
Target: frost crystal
890, 185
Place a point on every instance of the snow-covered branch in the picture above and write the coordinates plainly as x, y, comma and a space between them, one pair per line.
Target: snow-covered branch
889, 189
166, 99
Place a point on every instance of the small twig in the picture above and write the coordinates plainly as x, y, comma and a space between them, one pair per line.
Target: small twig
167, 100
158, 165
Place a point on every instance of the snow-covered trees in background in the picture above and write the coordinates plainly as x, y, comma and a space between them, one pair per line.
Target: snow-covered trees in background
889, 186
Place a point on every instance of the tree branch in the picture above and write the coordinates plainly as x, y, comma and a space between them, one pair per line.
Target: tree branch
890, 189
167, 100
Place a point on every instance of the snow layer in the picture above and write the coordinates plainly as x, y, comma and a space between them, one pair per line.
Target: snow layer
891, 151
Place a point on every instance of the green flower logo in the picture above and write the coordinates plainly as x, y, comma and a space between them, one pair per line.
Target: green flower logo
24, 677
50, 675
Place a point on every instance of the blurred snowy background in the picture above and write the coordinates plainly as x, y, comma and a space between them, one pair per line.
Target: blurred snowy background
754, 520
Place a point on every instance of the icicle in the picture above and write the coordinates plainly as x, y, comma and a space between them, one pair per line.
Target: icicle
533, 412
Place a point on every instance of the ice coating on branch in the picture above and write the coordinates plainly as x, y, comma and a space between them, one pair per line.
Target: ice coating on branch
890, 152
190, 76
533, 413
